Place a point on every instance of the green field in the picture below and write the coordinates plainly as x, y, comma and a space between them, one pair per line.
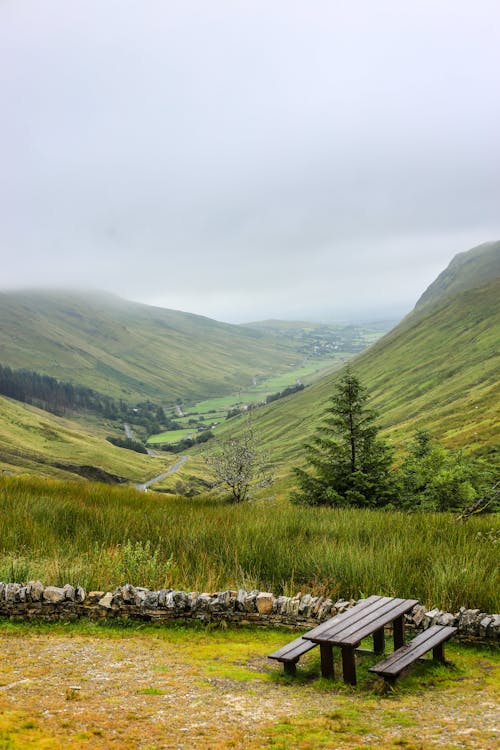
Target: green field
100, 537
215, 409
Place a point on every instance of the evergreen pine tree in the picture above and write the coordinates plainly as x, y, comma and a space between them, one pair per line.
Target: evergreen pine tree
350, 465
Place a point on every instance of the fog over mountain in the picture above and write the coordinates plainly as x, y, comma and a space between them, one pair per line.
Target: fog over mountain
247, 160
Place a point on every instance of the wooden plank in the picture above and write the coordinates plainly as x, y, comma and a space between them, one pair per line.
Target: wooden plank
373, 617
375, 621
367, 614
292, 651
419, 646
352, 613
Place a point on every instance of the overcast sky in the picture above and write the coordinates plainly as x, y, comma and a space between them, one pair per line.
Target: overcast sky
244, 160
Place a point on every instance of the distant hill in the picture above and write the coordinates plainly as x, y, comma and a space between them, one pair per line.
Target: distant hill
438, 369
467, 270
130, 350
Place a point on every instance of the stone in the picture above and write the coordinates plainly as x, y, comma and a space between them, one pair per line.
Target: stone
181, 600
70, 592
279, 604
249, 604
94, 596
12, 592
468, 621
430, 617
305, 605
494, 627
418, 614
325, 609
264, 602
317, 605
80, 595
446, 618
54, 594
35, 591
203, 602
151, 600
140, 594
127, 593
106, 601
240, 600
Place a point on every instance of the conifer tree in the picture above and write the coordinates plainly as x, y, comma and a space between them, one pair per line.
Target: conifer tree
350, 465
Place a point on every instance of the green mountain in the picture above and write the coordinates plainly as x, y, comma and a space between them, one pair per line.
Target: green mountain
130, 350
438, 369
467, 270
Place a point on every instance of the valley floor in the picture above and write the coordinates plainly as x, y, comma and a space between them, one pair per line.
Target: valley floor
148, 688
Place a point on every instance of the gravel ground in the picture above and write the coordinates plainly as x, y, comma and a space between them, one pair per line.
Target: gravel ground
73, 691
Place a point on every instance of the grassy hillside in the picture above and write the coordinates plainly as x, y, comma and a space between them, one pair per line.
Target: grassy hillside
35, 442
466, 271
438, 369
130, 350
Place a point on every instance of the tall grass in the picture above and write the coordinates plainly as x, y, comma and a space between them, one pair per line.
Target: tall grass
101, 537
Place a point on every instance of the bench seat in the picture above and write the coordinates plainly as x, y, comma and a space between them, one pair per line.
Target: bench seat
291, 653
433, 638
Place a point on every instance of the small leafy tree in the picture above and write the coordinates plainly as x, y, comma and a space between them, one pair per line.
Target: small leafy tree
433, 478
239, 466
351, 465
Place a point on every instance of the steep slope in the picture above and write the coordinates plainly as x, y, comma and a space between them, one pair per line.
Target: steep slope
438, 369
35, 442
466, 271
129, 350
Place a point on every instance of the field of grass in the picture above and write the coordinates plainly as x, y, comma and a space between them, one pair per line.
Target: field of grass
141, 687
101, 537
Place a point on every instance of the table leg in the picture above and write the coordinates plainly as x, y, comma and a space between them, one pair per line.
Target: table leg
398, 630
349, 664
438, 653
326, 654
379, 641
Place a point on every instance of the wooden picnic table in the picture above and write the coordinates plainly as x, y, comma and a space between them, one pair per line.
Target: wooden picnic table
347, 630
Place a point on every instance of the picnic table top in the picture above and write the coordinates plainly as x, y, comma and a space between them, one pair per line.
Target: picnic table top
360, 621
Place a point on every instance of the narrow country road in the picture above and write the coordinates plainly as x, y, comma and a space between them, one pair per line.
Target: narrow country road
161, 476
130, 435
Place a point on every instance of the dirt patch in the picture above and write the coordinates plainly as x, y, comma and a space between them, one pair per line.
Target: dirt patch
212, 691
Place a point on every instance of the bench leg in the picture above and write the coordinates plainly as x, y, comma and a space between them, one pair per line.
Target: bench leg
438, 653
398, 630
290, 667
349, 664
326, 654
379, 641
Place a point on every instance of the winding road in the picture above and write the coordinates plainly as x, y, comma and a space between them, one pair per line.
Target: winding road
143, 487
173, 468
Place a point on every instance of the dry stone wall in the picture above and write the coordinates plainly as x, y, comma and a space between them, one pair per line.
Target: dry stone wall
34, 601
